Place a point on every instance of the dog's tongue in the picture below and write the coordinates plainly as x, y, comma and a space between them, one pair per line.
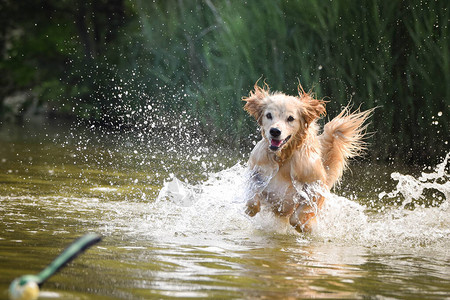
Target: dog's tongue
275, 143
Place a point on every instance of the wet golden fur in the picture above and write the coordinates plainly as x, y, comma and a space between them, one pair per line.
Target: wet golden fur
296, 168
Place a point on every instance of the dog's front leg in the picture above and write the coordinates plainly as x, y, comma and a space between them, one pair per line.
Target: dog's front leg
258, 179
310, 202
256, 183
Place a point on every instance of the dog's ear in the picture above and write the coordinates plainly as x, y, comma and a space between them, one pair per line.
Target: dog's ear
255, 101
311, 108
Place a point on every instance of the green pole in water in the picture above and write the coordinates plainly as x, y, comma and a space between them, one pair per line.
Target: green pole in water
26, 287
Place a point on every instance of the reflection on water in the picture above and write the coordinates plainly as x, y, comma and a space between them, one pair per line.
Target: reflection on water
174, 225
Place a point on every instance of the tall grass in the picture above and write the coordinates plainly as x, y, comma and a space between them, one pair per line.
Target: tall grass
389, 54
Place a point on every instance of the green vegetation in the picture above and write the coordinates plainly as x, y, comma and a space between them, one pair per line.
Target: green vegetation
102, 60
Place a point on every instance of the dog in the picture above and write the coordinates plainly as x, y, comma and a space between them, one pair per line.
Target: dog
292, 167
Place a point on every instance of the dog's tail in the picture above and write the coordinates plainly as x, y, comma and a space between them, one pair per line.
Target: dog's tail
343, 138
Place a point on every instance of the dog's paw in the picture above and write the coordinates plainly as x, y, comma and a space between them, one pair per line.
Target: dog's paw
253, 207
303, 220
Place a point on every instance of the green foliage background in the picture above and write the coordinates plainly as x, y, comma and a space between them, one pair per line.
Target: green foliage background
102, 60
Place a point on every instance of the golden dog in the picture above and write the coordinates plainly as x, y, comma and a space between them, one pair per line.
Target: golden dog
293, 167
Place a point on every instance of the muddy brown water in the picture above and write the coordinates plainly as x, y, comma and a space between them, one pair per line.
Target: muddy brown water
173, 225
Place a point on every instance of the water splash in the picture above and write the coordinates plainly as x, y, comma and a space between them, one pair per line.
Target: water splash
413, 189
257, 179
419, 225
219, 204
215, 206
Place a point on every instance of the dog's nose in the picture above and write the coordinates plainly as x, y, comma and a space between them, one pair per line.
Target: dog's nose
275, 132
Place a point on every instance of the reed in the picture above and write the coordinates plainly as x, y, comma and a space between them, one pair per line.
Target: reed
202, 57
389, 54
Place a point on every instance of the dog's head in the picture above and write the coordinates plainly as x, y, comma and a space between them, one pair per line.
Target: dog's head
283, 119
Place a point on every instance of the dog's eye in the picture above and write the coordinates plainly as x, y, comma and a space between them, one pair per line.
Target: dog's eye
269, 116
290, 118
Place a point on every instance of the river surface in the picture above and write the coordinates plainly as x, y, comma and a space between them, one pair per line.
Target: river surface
171, 215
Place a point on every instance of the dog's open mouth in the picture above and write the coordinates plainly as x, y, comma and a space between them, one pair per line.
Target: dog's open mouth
277, 144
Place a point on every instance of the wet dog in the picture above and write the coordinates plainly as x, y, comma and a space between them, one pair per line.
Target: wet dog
293, 167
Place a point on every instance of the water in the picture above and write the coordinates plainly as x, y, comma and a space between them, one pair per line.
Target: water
173, 224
